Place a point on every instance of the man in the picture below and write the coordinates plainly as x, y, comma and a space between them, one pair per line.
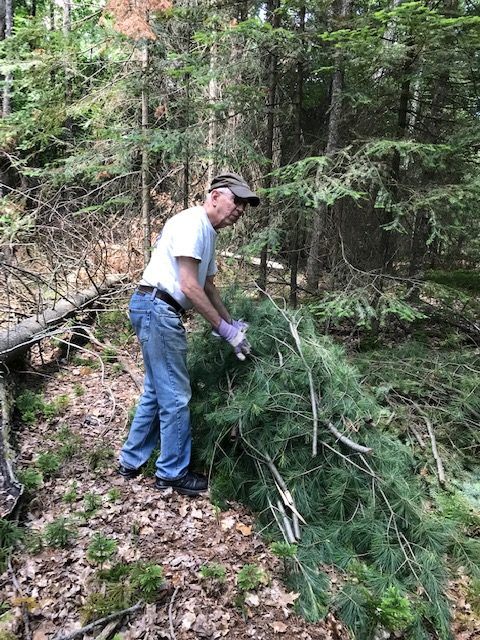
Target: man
179, 276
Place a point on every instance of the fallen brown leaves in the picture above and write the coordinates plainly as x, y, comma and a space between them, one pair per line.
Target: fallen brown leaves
179, 533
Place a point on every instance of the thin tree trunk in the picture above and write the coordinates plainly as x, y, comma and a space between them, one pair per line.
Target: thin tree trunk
295, 217
7, 86
67, 17
51, 9
145, 171
272, 93
325, 215
387, 240
212, 122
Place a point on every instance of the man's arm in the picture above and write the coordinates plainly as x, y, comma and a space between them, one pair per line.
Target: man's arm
188, 271
214, 297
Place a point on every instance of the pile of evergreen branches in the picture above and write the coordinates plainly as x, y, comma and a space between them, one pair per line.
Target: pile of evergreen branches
365, 514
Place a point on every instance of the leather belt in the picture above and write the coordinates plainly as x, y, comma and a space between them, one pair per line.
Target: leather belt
161, 295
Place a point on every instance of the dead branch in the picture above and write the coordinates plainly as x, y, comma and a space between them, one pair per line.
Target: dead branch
359, 448
418, 437
436, 455
286, 523
26, 620
97, 623
170, 614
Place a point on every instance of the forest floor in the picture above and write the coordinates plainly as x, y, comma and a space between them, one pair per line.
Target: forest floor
53, 587
50, 587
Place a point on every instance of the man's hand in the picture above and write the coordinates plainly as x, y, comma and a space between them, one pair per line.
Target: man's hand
235, 336
240, 324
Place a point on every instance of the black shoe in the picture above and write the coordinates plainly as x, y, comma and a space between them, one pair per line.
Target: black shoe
192, 484
128, 473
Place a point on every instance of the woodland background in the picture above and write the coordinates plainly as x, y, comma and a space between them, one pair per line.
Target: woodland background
358, 124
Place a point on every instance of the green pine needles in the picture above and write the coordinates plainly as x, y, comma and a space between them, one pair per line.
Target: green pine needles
255, 424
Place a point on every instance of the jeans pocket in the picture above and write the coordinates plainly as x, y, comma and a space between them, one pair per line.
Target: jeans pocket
141, 323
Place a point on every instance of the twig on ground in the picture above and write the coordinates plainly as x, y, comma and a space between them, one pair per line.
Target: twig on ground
436, 455
26, 620
418, 437
109, 629
96, 623
170, 614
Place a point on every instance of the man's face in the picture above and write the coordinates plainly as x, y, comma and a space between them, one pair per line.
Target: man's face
229, 208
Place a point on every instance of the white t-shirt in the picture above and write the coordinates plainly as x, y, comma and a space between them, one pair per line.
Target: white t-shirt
190, 234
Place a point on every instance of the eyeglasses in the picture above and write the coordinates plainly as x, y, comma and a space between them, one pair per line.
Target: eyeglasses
237, 200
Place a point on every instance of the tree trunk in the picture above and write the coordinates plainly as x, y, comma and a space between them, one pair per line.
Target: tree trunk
146, 222
7, 32
67, 17
387, 241
272, 93
212, 121
15, 341
295, 218
11, 489
324, 221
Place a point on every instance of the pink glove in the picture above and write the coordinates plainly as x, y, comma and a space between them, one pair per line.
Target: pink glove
236, 337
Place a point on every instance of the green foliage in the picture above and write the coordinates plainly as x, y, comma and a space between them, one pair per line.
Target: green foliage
70, 442
474, 595
373, 509
10, 535
251, 577
60, 533
32, 405
147, 579
364, 308
213, 571
78, 390
394, 610
100, 457
101, 549
467, 280
91, 503
49, 463
30, 478
99, 605
70, 496
115, 326
284, 549
114, 495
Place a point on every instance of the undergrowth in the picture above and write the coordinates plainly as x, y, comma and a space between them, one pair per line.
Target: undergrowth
368, 516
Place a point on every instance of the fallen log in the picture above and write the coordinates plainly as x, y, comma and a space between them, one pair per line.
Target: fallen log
15, 341
10, 488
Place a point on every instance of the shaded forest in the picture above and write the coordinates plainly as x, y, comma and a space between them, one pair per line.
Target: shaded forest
353, 431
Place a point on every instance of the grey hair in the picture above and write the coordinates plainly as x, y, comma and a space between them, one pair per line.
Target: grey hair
225, 190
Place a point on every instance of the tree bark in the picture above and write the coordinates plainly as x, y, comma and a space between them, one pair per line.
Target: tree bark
212, 121
324, 220
145, 171
272, 93
295, 218
10, 488
14, 342
7, 32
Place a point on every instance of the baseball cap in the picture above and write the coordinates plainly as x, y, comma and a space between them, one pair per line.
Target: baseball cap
237, 186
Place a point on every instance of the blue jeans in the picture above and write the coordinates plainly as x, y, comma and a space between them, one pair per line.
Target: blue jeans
162, 413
